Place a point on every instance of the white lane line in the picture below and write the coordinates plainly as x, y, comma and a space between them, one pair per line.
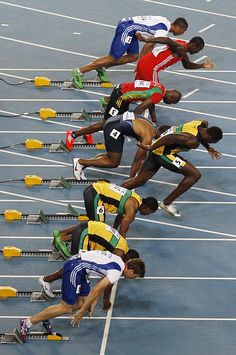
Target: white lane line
210, 102
193, 278
4, 25
197, 112
143, 239
38, 199
200, 77
190, 93
190, 9
30, 132
68, 70
56, 14
47, 100
225, 155
76, 33
47, 47
108, 321
169, 319
206, 28
199, 59
200, 70
32, 165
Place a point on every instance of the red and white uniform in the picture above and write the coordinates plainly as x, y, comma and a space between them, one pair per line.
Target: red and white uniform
159, 59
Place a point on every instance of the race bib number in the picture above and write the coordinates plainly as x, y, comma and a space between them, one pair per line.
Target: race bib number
113, 231
113, 111
114, 133
100, 210
171, 130
118, 189
178, 162
128, 116
142, 84
78, 288
128, 39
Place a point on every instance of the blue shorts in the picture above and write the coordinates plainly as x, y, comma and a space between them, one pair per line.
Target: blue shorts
80, 286
124, 40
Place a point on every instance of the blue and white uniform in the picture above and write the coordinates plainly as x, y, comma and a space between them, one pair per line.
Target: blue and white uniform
76, 272
125, 39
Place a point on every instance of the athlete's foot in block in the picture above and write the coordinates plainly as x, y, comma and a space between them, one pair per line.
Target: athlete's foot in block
77, 79
102, 75
46, 287
78, 170
23, 329
89, 138
69, 140
103, 104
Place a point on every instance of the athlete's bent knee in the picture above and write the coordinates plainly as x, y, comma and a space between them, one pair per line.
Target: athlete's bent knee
133, 57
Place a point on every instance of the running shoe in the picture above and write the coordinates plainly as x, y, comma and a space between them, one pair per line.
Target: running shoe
89, 138
103, 104
47, 326
69, 140
77, 167
23, 329
46, 288
62, 247
102, 75
170, 209
77, 79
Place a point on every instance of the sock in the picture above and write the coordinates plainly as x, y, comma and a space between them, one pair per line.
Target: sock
73, 134
79, 72
28, 323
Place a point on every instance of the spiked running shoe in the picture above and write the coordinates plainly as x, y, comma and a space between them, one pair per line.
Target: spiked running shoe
69, 140
102, 75
171, 209
77, 79
62, 247
23, 329
47, 326
103, 104
46, 288
77, 168
89, 138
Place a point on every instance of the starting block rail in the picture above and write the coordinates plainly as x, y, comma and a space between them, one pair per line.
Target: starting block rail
60, 183
46, 112
10, 252
15, 338
41, 217
42, 81
60, 147
7, 292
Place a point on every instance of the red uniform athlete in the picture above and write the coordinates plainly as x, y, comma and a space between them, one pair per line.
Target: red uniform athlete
161, 58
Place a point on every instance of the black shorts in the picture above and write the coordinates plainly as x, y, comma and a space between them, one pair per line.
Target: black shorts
116, 106
94, 205
77, 241
154, 162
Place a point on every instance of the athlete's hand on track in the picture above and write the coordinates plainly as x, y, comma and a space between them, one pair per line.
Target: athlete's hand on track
77, 317
209, 64
214, 153
144, 146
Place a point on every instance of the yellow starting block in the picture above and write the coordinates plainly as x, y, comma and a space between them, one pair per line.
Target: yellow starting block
43, 81
10, 252
7, 292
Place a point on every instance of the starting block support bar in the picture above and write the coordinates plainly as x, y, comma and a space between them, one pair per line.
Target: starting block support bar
46, 112
11, 292
32, 144
42, 81
15, 338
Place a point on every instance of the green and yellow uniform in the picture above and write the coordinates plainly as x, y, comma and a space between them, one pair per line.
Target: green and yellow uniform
94, 235
102, 196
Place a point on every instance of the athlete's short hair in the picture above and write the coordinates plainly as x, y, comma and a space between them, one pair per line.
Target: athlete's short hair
137, 265
150, 202
181, 22
131, 254
198, 41
215, 132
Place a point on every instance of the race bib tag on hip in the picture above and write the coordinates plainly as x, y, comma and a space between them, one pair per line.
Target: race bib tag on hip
113, 111
114, 133
128, 116
128, 39
142, 84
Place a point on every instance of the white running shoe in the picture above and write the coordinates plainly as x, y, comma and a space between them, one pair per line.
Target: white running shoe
77, 169
46, 288
171, 209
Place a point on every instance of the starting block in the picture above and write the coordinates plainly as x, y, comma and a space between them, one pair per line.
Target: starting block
15, 337
41, 217
42, 81
61, 183
35, 296
46, 112
33, 144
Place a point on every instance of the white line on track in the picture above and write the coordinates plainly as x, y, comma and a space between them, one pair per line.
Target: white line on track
177, 319
210, 101
76, 33
34, 132
206, 28
34, 166
199, 59
108, 321
50, 100
197, 112
200, 70
190, 9
56, 14
190, 93
120, 70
